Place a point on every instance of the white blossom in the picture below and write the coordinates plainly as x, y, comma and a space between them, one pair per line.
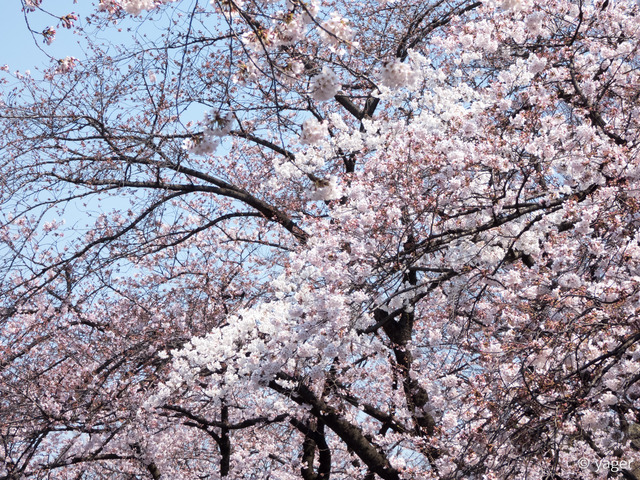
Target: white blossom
336, 30
533, 23
396, 74
313, 132
227, 5
292, 31
65, 65
200, 145
217, 125
537, 64
311, 10
207, 142
136, 7
512, 4
325, 85
326, 190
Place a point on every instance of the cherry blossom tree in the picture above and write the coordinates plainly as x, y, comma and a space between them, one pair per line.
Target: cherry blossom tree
324, 240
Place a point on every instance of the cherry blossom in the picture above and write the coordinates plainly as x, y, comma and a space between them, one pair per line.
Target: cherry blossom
324, 240
336, 30
396, 74
325, 85
313, 132
66, 64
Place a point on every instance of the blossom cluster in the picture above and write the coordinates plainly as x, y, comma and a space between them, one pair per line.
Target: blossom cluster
326, 190
313, 132
325, 85
31, 5
48, 35
396, 74
336, 30
135, 7
443, 282
215, 127
66, 64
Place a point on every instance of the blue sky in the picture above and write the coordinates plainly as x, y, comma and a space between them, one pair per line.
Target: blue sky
19, 48
22, 51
